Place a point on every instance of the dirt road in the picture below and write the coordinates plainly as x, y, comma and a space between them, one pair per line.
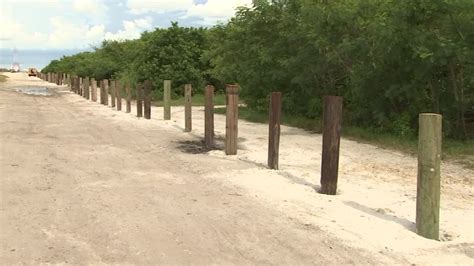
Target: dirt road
82, 183
81, 187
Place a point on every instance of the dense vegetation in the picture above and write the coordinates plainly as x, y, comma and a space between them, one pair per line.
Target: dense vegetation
389, 59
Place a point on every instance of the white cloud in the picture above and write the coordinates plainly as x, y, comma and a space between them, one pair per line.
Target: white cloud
160, 6
131, 29
210, 12
216, 10
92, 7
68, 34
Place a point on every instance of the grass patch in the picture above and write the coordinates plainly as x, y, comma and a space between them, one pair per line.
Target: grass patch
312, 125
3, 78
198, 100
459, 151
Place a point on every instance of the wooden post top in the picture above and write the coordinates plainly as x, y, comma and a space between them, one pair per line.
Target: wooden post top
232, 88
430, 114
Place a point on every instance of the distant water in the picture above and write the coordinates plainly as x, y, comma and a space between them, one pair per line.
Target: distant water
32, 58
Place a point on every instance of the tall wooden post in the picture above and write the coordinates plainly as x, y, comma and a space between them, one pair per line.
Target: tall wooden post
188, 123
429, 171
139, 89
167, 99
78, 85
147, 99
209, 116
332, 120
86, 88
106, 92
81, 84
118, 93
94, 90
73, 84
112, 93
101, 89
232, 116
129, 99
274, 121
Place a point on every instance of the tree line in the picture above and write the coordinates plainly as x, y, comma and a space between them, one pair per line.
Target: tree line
389, 59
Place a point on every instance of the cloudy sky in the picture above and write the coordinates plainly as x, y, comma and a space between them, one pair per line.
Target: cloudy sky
78, 24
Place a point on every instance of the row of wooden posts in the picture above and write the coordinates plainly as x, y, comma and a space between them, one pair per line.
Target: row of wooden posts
429, 156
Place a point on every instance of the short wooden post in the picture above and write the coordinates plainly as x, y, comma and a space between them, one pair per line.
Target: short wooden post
139, 90
167, 99
94, 90
232, 116
274, 121
86, 88
118, 93
129, 98
112, 93
332, 120
188, 122
209, 117
429, 171
147, 99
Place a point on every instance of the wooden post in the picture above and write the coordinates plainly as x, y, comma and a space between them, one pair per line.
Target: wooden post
147, 99
429, 171
332, 120
118, 93
129, 98
209, 116
112, 93
81, 89
101, 89
94, 90
274, 121
86, 88
106, 92
78, 85
167, 99
188, 122
139, 89
232, 116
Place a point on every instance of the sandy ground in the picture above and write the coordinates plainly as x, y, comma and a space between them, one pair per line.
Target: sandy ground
83, 183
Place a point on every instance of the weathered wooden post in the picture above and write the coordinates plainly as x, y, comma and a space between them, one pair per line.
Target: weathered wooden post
86, 88
209, 116
118, 93
73, 84
112, 93
94, 90
81, 84
167, 99
232, 116
188, 122
129, 98
101, 89
274, 121
429, 171
139, 90
106, 92
332, 120
78, 85
147, 99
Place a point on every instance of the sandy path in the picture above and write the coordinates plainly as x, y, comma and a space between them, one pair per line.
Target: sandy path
80, 185
83, 183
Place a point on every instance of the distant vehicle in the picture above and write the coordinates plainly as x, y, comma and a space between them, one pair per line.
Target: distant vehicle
32, 72
16, 67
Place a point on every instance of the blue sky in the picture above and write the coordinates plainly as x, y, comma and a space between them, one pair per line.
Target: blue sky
78, 24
